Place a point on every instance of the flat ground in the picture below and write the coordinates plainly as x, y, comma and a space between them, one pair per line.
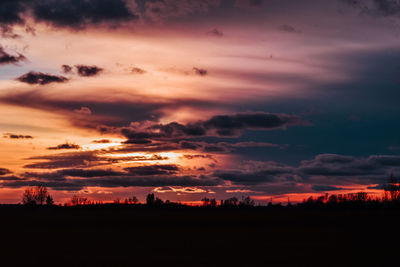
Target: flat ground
140, 236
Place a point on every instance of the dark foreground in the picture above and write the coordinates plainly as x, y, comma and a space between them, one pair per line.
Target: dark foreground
141, 236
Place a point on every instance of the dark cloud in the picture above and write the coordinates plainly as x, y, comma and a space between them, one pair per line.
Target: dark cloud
73, 14
78, 14
10, 178
227, 125
65, 146
215, 32
249, 3
41, 78
4, 171
201, 72
86, 159
221, 126
222, 146
137, 141
385, 160
288, 28
88, 71
153, 170
105, 111
189, 145
6, 58
8, 32
201, 156
17, 136
101, 141
383, 8
330, 172
77, 179
66, 69
10, 11
167, 9
326, 172
267, 172
320, 188
136, 70
68, 160
338, 165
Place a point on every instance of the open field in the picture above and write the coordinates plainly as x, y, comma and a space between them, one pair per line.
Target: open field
184, 236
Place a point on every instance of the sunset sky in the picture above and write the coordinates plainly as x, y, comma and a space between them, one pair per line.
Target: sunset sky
198, 98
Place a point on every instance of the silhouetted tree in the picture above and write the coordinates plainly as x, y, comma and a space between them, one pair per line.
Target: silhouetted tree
158, 201
205, 201
150, 199
131, 200
36, 195
213, 202
49, 200
28, 197
231, 202
393, 189
209, 202
247, 202
76, 201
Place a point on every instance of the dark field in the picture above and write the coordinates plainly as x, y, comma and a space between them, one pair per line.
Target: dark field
184, 236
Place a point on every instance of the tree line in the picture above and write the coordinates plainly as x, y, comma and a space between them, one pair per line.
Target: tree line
39, 195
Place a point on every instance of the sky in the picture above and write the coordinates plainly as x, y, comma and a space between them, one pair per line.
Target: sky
188, 99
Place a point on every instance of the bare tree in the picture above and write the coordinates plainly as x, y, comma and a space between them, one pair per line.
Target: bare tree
41, 194
28, 197
36, 195
76, 201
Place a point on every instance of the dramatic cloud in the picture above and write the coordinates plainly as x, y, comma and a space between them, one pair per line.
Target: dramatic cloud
17, 136
67, 160
86, 159
41, 78
326, 172
257, 173
186, 94
4, 171
337, 165
6, 58
65, 146
88, 71
66, 13
221, 126
105, 111
143, 176
10, 11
